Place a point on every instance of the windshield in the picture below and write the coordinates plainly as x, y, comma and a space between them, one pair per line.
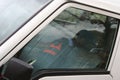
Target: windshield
13, 13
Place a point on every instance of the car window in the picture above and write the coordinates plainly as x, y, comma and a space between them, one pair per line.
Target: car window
13, 13
75, 39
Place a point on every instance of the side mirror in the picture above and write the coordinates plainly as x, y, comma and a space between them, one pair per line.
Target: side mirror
18, 70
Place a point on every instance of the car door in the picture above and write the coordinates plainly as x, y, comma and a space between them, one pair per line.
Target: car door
76, 41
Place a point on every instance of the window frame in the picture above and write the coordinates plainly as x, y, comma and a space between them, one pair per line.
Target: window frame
69, 72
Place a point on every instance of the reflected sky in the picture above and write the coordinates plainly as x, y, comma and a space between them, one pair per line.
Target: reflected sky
13, 13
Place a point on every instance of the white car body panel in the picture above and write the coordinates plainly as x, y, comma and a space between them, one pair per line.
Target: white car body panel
85, 77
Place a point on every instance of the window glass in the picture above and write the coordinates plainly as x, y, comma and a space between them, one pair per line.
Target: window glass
13, 13
75, 39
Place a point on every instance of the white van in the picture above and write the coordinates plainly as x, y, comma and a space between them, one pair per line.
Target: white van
59, 40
